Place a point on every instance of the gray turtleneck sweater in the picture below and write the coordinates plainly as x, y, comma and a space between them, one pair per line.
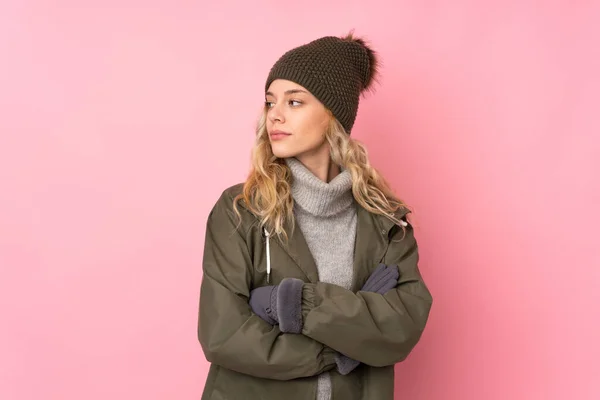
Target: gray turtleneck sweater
326, 215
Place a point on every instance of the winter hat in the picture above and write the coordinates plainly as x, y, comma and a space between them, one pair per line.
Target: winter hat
335, 70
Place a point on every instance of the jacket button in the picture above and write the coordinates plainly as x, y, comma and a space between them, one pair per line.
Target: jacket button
383, 232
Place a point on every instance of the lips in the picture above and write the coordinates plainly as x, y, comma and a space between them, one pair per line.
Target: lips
275, 135
277, 132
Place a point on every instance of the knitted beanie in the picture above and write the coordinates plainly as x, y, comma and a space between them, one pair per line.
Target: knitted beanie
335, 70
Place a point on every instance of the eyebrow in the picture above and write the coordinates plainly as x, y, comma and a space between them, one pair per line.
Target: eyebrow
291, 91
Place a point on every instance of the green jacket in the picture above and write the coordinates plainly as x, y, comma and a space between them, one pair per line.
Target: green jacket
251, 359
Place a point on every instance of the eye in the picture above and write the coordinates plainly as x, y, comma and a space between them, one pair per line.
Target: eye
268, 104
297, 103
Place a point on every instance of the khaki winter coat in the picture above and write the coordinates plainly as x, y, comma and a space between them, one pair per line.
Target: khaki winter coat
252, 360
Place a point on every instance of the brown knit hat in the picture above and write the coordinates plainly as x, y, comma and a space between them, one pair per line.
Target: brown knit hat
335, 70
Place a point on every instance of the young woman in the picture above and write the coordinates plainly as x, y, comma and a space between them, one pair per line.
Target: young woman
311, 289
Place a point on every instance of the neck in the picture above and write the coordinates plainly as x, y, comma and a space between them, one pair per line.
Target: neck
320, 165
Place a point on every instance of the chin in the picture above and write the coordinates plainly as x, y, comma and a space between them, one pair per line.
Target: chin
284, 151
288, 150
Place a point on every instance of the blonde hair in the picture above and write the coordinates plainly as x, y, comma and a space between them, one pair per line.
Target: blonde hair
267, 190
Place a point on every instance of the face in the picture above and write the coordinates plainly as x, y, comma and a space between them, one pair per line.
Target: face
296, 121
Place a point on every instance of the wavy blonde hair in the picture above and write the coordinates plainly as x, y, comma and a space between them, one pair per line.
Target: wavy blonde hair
267, 190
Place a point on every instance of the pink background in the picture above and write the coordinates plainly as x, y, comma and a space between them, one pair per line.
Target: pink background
122, 121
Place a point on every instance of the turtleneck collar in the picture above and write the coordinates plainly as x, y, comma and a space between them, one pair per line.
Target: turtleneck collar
317, 197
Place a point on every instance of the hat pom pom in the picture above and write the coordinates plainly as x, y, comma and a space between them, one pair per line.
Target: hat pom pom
370, 74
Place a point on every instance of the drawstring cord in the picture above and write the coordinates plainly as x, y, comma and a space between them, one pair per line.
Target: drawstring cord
268, 256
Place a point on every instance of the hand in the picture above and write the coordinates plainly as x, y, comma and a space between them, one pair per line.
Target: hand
382, 279
263, 301
280, 304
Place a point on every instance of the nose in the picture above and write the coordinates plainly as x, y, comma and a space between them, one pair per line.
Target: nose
275, 115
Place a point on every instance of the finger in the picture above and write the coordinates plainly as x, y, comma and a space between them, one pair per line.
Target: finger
395, 270
375, 281
374, 276
389, 286
386, 275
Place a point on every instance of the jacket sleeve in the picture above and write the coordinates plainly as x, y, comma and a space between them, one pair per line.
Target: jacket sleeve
375, 329
230, 334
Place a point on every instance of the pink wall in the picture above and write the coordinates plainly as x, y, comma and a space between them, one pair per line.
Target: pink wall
121, 122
